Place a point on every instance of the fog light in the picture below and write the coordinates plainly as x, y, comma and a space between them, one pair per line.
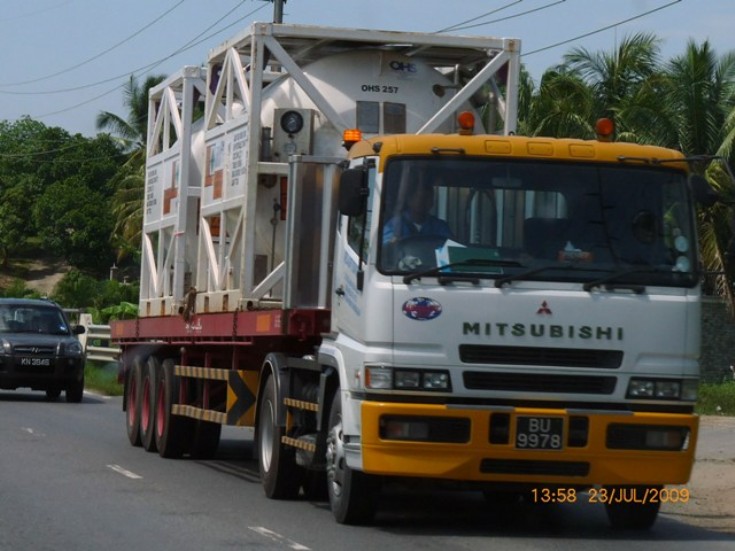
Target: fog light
436, 380
407, 379
665, 439
668, 389
639, 388
398, 429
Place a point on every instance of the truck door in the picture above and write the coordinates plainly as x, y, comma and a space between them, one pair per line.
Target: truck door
348, 308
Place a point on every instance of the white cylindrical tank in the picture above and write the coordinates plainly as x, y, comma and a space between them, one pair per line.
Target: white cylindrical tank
376, 91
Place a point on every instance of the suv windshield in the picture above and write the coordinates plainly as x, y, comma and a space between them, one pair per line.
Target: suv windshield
514, 220
32, 319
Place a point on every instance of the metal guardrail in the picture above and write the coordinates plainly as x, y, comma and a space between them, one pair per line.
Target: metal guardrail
96, 341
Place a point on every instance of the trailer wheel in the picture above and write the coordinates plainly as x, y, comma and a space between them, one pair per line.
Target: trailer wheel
352, 494
170, 430
630, 515
148, 404
132, 401
280, 475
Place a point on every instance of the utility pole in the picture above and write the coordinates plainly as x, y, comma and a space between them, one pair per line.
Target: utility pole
278, 10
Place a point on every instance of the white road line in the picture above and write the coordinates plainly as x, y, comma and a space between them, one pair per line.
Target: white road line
278, 538
124, 472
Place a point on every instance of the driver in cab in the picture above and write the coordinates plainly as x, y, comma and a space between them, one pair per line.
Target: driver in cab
415, 219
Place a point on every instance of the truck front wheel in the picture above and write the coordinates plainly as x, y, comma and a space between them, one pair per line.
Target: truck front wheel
630, 511
279, 473
352, 494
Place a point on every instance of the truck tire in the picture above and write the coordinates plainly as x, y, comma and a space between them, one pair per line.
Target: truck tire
630, 515
148, 404
280, 475
171, 431
204, 439
75, 390
133, 381
352, 494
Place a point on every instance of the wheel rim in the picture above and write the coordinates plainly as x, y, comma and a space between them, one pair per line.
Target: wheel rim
265, 430
161, 409
336, 459
145, 413
132, 399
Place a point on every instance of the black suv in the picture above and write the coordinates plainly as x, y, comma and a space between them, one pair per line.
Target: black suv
39, 349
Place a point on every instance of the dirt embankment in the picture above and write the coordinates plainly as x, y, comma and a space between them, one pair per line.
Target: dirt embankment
41, 275
712, 485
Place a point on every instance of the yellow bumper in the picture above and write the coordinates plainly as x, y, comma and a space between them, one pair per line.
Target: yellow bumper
477, 459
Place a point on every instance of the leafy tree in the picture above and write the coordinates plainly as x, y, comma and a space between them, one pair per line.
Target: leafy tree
15, 203
47, 175
75, 221
76, 290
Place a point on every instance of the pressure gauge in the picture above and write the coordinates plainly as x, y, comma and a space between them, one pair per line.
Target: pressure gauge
292, 122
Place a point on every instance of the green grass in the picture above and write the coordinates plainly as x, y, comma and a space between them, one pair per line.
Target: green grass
102, 377
716, 398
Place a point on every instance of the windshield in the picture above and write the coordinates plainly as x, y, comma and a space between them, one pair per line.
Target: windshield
32, 319
552, 221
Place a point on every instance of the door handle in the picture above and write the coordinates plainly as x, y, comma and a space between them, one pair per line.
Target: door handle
339, 291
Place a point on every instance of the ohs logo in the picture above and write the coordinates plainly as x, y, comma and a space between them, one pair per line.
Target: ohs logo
403, 66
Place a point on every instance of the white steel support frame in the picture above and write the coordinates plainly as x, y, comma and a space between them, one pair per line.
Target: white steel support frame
169, 139
266, 51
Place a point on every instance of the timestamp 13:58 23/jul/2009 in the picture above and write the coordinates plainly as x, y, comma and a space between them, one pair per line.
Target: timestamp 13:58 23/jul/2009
610, 495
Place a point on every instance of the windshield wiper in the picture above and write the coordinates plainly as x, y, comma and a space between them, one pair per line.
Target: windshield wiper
533, 271
479, 262
636, 288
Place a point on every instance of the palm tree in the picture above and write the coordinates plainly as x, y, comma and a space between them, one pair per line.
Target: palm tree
563, 106
133, 130
625, 83
700, 101
130, 180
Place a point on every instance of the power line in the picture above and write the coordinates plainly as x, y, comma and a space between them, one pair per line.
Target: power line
605, 28
461, 26
97, 56
496, 10
147, 68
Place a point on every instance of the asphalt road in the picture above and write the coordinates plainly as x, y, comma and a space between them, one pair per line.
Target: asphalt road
70, 480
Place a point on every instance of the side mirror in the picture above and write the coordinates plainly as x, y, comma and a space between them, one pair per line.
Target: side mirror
79, 329
702, 190
352, 192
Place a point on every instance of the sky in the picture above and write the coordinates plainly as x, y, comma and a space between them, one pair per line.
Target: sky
65, 61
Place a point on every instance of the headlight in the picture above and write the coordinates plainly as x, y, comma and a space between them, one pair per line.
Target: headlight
387, 378
663, 389
74, 348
